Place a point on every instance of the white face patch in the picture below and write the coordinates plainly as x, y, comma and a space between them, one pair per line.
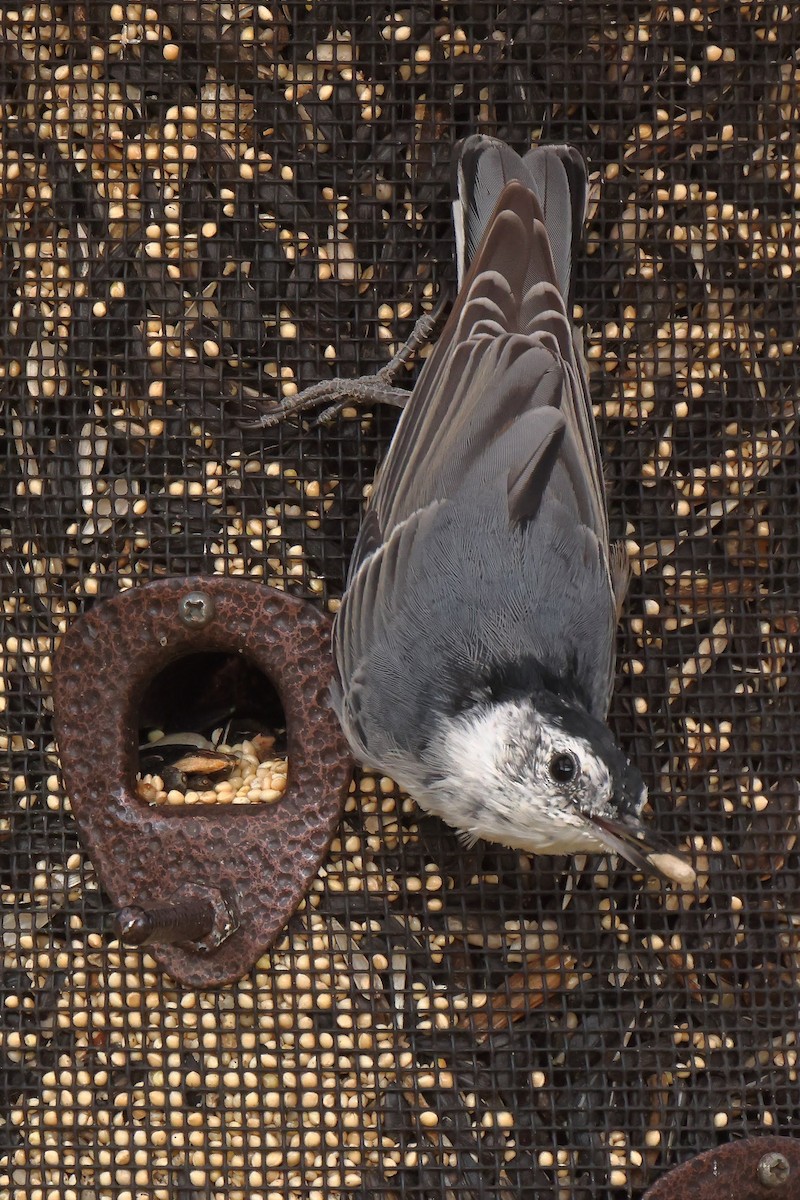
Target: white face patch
492, 778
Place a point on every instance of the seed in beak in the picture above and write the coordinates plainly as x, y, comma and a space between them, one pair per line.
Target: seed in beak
673, 867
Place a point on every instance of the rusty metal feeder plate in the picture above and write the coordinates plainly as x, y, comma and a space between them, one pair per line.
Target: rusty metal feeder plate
764, 1168
220, 882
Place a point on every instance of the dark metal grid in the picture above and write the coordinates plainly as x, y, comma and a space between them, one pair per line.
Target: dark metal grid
630, 1027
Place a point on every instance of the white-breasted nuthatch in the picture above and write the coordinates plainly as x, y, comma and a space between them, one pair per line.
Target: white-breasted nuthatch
475, 640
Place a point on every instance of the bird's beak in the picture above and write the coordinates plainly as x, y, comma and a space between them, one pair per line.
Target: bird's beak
630, 838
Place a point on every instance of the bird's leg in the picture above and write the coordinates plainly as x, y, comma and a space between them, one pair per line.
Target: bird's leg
366, 389
419, 337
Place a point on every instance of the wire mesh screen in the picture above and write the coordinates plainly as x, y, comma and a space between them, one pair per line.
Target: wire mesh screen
207, 206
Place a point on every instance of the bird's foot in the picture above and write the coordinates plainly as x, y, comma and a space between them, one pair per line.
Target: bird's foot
336, 394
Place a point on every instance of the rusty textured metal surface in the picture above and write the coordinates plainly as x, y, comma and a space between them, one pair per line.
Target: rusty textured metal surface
731, 1172
259, 858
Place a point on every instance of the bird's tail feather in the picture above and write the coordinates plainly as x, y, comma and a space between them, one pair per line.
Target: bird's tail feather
555, 174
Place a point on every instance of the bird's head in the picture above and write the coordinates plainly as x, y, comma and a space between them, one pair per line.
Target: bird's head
540, 773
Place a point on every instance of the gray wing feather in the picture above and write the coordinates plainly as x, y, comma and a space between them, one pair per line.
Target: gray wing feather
374, 598
526, 482
473, 384
620, 565
436, 408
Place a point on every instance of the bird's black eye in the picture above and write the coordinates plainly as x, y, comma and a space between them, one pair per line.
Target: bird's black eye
563, 768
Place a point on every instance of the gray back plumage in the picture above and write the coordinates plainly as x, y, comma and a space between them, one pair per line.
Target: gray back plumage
486, 540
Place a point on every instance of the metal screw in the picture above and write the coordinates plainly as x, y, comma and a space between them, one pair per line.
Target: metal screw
773, 1169
194, 914
196, 609
186, 921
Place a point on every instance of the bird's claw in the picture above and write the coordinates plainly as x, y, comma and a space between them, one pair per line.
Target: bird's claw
366, 389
